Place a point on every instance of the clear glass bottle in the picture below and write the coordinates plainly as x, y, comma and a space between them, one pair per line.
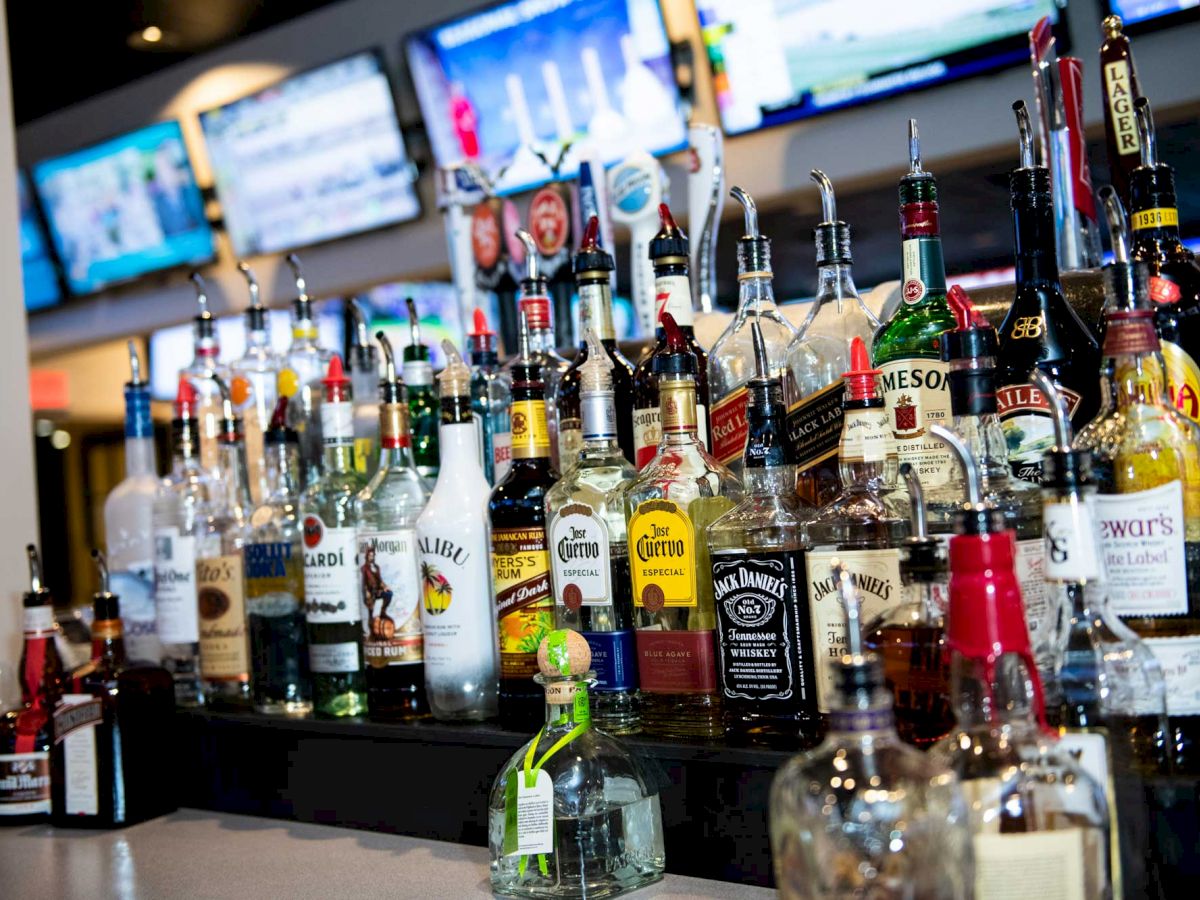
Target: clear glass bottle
304, 365
491, 397
364, 378
668, 508
274, 561
457, 608
731, 360
389, 571
820, 353
766, 666
178, 518
254, 383
589, 558
864, 814
422, 399
332, 599
203, 371
574, 813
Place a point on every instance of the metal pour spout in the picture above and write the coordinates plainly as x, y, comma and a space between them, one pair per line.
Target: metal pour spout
853, 606
293, 262
361, 334
1114, 215
414, 322
828, 200
1058, 408
389, 359
967, 460
102, 570
1025, 133
531, 254
914, 149
749, 210
916, 500
201, 295
227, 412
36, 585
135, 365
1146, 133
762, 370
251, 283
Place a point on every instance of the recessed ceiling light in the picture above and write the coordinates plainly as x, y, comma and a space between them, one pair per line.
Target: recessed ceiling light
152, 34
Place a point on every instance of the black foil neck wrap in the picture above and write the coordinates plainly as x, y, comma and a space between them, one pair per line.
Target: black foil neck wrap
832, 240
105, 606
1151, 187
1125, 285
922, 560
918, 188
973, 392
766, 443
1066, 470
1030, 186
754, 255
982, 519
256, 318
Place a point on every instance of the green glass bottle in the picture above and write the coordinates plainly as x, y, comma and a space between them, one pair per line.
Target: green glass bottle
424, 413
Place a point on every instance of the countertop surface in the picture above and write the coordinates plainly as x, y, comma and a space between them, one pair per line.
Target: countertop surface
192, 853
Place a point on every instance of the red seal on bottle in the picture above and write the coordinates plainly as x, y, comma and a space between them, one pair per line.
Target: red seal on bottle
1164, 291
572, 596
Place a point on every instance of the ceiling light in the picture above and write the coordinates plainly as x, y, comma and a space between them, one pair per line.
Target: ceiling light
152, 34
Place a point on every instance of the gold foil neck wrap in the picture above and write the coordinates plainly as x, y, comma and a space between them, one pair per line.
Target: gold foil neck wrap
677, 402
106, 629
393, 424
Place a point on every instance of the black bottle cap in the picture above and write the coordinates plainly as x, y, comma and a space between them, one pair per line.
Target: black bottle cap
591, 257
278, 431
670, 245
391, 388
679, 359
105, 604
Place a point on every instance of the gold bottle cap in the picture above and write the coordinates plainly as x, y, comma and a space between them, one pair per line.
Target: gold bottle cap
1112, 26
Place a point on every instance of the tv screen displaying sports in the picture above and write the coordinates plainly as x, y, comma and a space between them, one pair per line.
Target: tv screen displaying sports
39, 275
123, 208
518, 79
775, 61
1134, 12
316, 157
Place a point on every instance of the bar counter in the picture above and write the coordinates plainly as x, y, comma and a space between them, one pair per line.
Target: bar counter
192, 853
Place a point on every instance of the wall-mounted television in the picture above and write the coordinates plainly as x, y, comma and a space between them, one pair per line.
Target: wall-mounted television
437, 308
1154, 13
39, 274
315, 157
124, 208
518, 77
774, 61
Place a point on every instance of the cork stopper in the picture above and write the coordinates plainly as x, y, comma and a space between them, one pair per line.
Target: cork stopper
596, 374
564, 652
455, 379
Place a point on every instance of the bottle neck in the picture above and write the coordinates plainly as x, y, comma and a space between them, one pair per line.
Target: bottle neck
530, 432
866, 454
835, 284
988, 694
567, 703
598, 414
756, 293
924, 269
185, 445
677, 410
673, 294
1153, 208
458, 446
232, 488
540, 316
283, 470
139, 456
395, 441
337, 433
595, 311
258, 339
863, 713
1131, 345
1034, 241
766, 461
108, 642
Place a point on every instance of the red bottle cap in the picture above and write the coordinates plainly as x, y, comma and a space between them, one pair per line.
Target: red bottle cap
966, 314
336, 383
479, 324
185, 400
670, 242
860, 380
482, 339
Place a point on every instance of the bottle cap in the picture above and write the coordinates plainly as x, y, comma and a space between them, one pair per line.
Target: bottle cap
973, 336
302, 305
918, 186
857, 669
185, 399
670, 245
595, 375
860, 380
1029, 181
391, 388
1111, 26
455, 379
278, 431
105, 604
337, 385
973, 516
38, 594
1063, 468
231, 425
256, 313
482, 339
922, 560
678, 358
754, 250
832, 235
591, 258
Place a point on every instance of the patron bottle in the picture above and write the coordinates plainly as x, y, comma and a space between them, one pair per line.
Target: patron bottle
491, 397
253, 384
821, 353
422, 400
304, 366
1119, 80
674, 499
202, 372
906, 347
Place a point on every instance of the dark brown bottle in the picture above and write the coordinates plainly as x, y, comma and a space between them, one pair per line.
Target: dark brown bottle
1118, 76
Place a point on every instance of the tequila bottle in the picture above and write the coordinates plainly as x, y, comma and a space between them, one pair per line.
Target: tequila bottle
491, 397
765, 666
422, 400
731, 361
574, 813
674, 499
364, 378
820, 354
203, 371
589, 558
254, 383
389, 572
304, 365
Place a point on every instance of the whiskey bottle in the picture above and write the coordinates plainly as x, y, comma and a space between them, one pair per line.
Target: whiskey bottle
304, 366
673, 294
1040, 329
668, 508
364, 381
592, 267
491, 397
389, 572
766, 667
457, 611
731, 362
1119, 80
906, 347
204, 368
520, 551
820, 354
253, 383
274, 559
589, 558
422, 400
859, 526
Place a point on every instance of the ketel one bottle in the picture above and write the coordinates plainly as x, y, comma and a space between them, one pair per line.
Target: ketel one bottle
906, 348
1040, 329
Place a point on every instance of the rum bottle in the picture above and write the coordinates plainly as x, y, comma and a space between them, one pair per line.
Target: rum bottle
1119, 80
304, 365
422, 400
253, 383
491, 397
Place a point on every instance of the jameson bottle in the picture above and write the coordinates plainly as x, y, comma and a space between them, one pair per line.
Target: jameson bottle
1041, 329
520, 555
1120, 83
906, 348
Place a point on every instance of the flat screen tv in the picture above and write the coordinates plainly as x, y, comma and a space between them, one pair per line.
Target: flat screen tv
315, 157
1154, 13
437, 307
775, 61
39, 274
501, 85
123, 208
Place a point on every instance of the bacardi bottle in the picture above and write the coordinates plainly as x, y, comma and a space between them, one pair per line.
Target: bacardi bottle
422, 400
491, 397
304, 365
253, 383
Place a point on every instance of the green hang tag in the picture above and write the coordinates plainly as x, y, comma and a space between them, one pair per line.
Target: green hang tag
556, 651
510, 812
583, 709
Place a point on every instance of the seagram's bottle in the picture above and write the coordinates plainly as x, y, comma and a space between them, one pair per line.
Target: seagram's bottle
422, 399
491, 397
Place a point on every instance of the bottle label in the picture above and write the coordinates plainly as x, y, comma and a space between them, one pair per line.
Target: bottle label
598, 417
38, 621
24, 784
529, 813
337, 424
1029, 426
1048, 865
1157, 217
390, 578
1120, 106
1142, 535
814, 426
456, 606
1180, 661
524, 601
1163, 290
1029, 565
570, 442
502, 454
334, 659
766, 653
530, 434
647, 434
1069, 544
676, 662
673, 294
729, 426
677, 406
1130, 336
662, 556
613, 660
1183, 380
330, 575
221, 599
75, 721
916, 396
866, 436
135, 586
580, 555
595, 307
175, 587
271, 573
924, 269
876, 574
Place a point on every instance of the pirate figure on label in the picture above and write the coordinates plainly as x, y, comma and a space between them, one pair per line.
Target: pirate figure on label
374, 588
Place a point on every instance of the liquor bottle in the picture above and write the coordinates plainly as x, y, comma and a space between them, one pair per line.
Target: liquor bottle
765, 662
178, 519
674, 499
820, 354
26, 733
364, 380
1030, 804
1174, 286
910, 637
332, 598
731, 362
1040, 329
204, 368
864, 814
128, 515
422, 400
589, 558
107, 765
858, 526
274, 555
491, 397
520, 551
389, 573
457, 612
1119, 80
906, 347
592, 267
254, 384
304, 365
220, 570
673, 294
574, 812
